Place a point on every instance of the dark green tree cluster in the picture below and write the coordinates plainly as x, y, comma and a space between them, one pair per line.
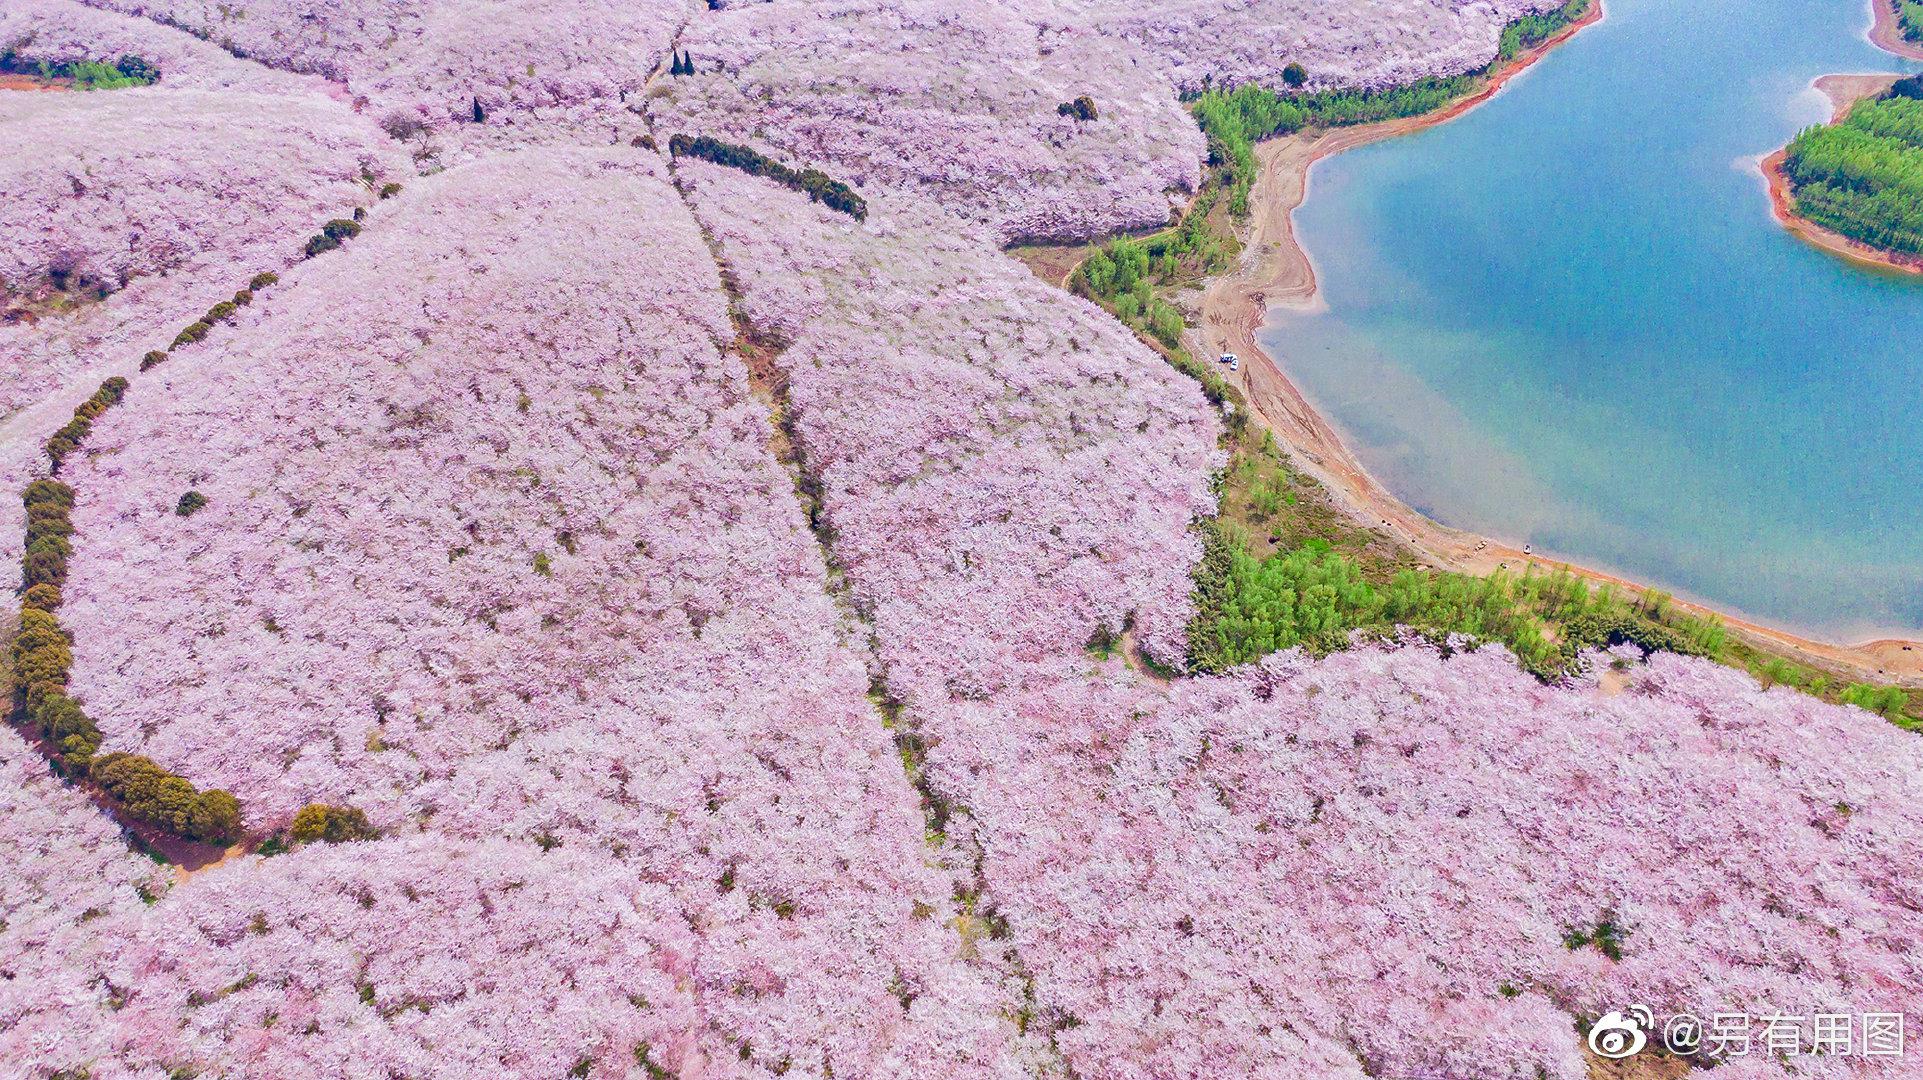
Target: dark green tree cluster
220, 312
1863, 177
48, 504
1909, 19
818, 185
42, 653
683, 64
86, 74
150, 793
1081, 109
137, 71
325, 823
1316, 598
74, 432
332, 235
1606, 937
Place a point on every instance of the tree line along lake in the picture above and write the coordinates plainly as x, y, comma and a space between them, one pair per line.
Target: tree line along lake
1568, 319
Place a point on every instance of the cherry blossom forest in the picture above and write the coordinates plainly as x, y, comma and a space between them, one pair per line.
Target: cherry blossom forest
502, 598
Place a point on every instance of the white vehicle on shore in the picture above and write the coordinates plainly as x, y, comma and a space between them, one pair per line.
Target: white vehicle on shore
1234, 362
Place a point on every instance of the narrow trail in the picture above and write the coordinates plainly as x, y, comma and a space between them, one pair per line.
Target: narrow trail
1138, 661
1275, 271
979, 931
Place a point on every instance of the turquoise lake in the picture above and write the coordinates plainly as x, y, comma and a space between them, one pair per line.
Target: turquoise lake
1568, 318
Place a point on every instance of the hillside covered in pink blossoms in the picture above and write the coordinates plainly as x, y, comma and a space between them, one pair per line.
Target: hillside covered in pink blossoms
440, 76
101, 190
697, 592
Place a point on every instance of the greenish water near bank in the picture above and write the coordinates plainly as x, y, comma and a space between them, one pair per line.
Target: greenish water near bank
1568, 319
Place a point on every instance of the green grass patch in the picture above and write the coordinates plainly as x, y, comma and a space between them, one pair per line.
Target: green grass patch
1316, 597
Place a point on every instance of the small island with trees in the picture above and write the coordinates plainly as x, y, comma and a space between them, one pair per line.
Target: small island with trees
1855, 186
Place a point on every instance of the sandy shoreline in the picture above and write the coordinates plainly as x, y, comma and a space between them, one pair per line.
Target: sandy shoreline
1276, 271
1843, 91
1885, 35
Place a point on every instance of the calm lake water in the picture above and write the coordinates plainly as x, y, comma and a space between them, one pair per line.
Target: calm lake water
1568, 318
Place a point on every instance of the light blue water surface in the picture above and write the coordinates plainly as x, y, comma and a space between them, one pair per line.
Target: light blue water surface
1568, 318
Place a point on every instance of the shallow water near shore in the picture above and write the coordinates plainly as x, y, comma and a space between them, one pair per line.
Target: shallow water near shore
1568, 318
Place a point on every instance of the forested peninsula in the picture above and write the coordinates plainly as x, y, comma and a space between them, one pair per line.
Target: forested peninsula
1861, 177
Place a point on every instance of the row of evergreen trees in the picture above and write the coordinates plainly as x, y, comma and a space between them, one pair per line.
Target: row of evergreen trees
818, 185
68, 438
1863, 177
